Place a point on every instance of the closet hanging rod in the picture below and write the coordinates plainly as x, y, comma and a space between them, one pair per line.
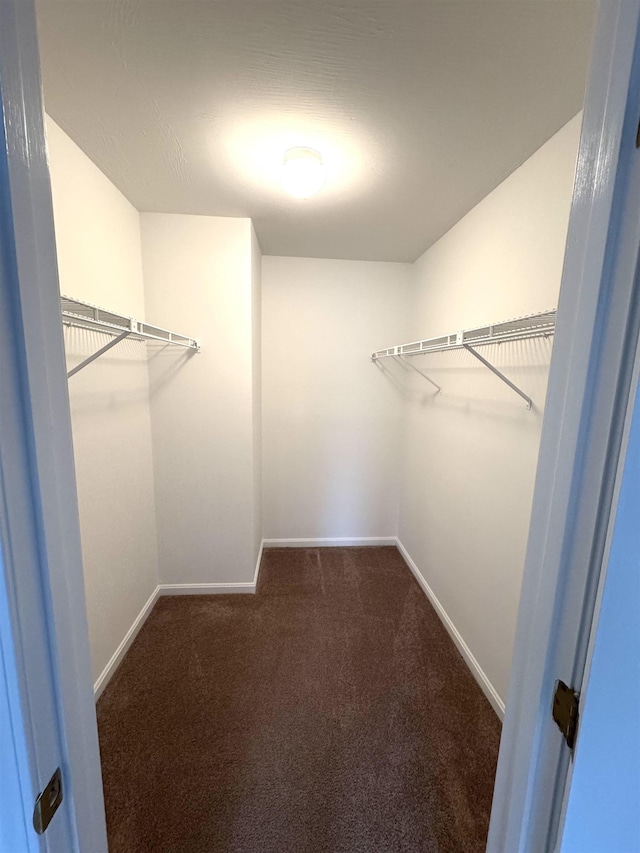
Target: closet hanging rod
519, 329
83, 315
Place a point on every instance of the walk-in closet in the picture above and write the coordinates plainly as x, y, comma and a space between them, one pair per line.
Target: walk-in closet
309, 259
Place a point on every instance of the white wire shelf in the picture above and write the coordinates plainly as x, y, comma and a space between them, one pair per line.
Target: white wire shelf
83, 315
518, 329
532, 326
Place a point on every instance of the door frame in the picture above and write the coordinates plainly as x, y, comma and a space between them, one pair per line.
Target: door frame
590, 383
36, 369
622, 520
578, 455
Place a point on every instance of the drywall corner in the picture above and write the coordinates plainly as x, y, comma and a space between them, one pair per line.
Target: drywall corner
256, 380
198, 281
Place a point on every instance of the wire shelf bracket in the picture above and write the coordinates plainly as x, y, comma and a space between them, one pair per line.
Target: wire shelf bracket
520, 329
404, 360
500, 375
82, 315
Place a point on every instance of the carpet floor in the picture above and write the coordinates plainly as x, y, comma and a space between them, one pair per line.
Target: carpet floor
329, 713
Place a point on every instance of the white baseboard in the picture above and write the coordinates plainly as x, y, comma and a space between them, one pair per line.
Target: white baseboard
169, 589
123, 648
206, 588
250, 587
480, 676
258, 564
345, 542
214, 588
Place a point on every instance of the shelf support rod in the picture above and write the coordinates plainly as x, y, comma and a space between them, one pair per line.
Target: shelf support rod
500, 375
98, 353
417, 370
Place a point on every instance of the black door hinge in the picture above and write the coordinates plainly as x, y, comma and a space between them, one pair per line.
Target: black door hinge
47, 803
565, 711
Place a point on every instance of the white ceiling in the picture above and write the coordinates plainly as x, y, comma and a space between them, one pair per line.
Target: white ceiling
419, 108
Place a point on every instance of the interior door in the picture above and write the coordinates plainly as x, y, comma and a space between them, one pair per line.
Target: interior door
31, 747
604, 798
30, 735
47, 706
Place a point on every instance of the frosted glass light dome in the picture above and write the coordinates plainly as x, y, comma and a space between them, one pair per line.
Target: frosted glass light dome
303, 173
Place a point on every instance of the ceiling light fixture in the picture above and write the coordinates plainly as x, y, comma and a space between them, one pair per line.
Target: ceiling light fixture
303, 172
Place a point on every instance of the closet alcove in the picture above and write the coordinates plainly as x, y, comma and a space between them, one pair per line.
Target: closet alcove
284, 443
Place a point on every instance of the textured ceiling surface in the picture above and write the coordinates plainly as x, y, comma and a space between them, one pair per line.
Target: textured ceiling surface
419, 108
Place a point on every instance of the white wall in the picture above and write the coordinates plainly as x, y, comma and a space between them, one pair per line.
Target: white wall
470, 452
331, 419
98, 244
198, 281
347, 450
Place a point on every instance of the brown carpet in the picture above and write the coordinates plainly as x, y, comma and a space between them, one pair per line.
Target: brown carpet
329, 713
